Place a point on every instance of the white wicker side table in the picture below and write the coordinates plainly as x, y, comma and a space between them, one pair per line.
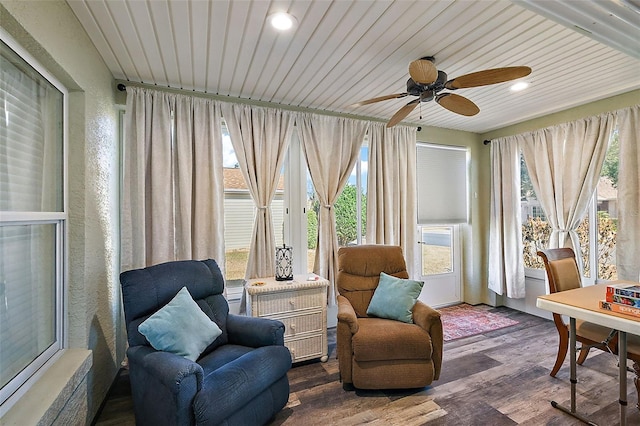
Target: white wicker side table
301, 305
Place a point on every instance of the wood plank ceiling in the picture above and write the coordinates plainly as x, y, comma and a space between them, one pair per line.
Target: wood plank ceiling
341, 52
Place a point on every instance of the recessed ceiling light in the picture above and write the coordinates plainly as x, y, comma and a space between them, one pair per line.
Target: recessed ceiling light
521, 85
282, 21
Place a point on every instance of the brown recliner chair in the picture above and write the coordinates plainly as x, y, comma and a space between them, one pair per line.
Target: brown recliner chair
377, 353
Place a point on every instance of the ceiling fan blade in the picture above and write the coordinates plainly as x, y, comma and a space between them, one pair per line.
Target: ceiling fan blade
402, 113
423, 71
487, 77
458, 104
379, 99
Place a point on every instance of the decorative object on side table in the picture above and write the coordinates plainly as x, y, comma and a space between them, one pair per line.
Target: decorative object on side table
284, 263
301, 304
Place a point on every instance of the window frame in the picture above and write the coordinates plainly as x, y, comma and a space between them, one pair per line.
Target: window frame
24, 380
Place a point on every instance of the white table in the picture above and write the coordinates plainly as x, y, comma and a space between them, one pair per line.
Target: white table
583, 303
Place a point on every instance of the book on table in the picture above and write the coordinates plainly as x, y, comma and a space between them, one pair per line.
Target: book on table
620, 308
624, 289
623, 300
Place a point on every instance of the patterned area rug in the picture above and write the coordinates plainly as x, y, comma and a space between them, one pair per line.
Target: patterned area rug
466, 320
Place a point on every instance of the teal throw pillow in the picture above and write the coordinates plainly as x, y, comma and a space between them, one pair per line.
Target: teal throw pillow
394, 298
180, 327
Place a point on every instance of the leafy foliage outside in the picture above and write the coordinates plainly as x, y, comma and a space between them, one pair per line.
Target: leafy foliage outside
611, 160
536, 233
312, 229
345, 209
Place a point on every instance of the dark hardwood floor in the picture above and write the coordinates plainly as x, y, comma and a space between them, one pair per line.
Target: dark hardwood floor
497, 378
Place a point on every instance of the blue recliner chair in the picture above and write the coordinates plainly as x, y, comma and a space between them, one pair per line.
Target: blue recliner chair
239, 379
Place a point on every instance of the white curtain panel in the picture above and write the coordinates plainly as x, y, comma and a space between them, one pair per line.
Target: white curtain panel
173, 197
260, 137
331, 147
199, 181
628, 236
564, 163
506, 266
147, 231
391, 189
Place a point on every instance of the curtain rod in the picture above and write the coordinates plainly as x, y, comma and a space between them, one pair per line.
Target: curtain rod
123, 88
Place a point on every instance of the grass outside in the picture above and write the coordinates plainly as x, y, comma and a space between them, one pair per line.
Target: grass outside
435, 260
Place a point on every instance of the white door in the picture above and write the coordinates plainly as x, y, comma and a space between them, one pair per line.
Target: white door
440, 265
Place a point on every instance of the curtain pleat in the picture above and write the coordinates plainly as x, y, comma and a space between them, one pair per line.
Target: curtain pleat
260, 138
628, 236
506, 269
391, 189
331, 147
172, 206
199, 197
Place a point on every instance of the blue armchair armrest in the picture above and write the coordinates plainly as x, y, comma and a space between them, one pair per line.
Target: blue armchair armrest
165, 384
254, 332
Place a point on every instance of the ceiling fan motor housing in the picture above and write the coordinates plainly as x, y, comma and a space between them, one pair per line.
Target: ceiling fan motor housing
427, 91
414, 88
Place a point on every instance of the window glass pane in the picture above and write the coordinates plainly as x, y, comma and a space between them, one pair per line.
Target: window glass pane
535, 227
239, 212
239, 215
31, 110
607, 205
27, 295
585, 245
351, 206
312, 210
436, 247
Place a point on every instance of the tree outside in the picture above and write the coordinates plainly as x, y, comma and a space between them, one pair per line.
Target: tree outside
345, 209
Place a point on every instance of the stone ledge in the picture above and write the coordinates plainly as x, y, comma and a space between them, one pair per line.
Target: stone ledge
45, 400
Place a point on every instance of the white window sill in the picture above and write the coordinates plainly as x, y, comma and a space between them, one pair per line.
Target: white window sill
44, 402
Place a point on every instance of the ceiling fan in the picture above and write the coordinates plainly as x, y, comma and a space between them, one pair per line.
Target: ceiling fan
427, 82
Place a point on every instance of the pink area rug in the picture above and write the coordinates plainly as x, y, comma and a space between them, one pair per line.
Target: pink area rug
465, 320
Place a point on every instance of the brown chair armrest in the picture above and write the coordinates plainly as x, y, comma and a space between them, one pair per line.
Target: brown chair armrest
429, 320
347, 314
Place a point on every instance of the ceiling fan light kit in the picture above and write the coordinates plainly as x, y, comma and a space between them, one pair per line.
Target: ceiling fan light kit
426, 82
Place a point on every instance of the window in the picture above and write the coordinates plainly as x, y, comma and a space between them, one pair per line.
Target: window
239, 216
350, 207
596, 232
436, 248
32, 218
607, 211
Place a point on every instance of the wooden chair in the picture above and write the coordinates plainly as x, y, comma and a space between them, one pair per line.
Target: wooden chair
563, 274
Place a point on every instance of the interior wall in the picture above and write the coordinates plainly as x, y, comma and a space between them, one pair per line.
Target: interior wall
587, 110
50, 32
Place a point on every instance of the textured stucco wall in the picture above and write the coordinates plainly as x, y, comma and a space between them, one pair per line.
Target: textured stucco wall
50, 32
